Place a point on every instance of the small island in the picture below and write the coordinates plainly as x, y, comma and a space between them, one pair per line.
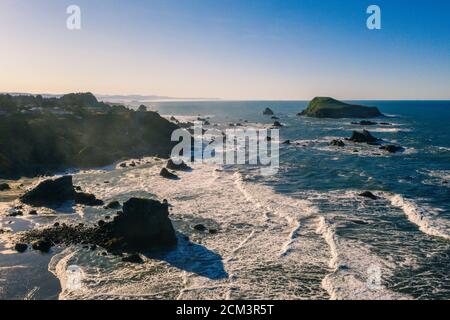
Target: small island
325, 107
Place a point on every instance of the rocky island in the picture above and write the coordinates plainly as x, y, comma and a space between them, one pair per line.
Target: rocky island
325, 107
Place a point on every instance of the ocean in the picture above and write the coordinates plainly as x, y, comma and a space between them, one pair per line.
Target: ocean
303, 233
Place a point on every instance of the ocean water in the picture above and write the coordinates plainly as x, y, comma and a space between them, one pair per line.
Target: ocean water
303, 233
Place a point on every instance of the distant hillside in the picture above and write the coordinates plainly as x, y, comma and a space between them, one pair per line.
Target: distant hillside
39, 134
325, 107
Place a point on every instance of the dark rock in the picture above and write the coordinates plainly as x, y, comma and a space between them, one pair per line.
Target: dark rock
16, 213
167, 174
50, 192
133, 258
391, 148
200, 227
368, 194
56, 224
78, 188
4, 187
113, 205
101, 223
268, 112
275, 118
93, 247
107, 217
123, 165
277, 124
144, 224
363, 137
33, 213
87, 199
365, 123
179, 167
213, 231
21, 247
42, 245
386, 124
337, 143
269, 138
287, 142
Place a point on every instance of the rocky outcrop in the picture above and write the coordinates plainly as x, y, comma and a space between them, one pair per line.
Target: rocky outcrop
268, 112
363, 137
143, 225
325, 107
56, 192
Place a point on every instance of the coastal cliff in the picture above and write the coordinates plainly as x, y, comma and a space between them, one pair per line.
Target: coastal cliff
40, 135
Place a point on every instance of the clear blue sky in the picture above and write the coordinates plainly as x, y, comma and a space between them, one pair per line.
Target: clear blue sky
232, 49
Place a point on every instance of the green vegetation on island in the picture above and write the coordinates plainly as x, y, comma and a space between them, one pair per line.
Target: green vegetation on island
325, 107
40, 135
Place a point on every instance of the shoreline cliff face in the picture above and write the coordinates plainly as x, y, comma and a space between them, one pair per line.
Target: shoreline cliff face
325, 107
39, 135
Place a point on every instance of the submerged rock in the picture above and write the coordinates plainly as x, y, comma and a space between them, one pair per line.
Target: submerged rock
363, 137
268, 112
337, 143
167, 174
391, 148
365, 123
368, 194
200, 227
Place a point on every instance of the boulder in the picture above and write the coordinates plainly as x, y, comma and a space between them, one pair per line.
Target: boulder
277, 124
144, 224
363, 137
21, 247
268, 112
33, 213
50, 192
178, 167
200, 227
87, 199
391, 148
287, 142
337, 143
368, 194
42, 245
4, 187
133, 258
167, 174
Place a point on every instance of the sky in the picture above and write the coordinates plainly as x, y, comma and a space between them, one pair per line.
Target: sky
228, 49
